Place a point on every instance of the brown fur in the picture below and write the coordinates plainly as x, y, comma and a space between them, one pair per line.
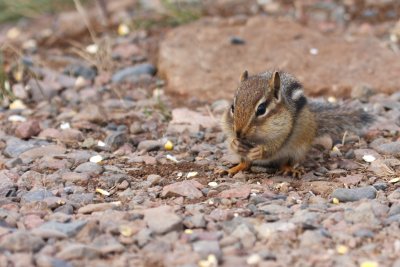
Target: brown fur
285, 134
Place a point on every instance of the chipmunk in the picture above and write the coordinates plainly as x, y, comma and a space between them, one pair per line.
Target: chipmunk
272, 122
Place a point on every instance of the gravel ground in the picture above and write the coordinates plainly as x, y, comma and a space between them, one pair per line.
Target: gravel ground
89, 185
104, 168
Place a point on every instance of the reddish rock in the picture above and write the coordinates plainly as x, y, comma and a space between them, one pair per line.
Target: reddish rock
50, 133
27, 129
351, 179
71, 135
32, 221
185, 119
38, 152
337, 66
186, 189
322, 188
238, 192
76, 178
67, 135
162, 219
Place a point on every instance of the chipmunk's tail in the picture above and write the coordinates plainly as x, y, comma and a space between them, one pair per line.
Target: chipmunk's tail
336, 119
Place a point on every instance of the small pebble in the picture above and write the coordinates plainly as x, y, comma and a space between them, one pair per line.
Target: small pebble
237, 41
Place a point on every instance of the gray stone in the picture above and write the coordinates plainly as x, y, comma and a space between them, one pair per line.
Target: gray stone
47, 261
207, 247
78, 251
80, 199
394, 209
115, 140
149, 145
69, 229
392, 148
154, 179
274, 209
14, 147
89, 73
13, 163
360, 153
107, 244
378, 141
380, 186
306, 217
162, 219
394, 196
132, 73
394, 218
195, 221
76, 178
136, 128
79, 156
67, 209
21, 241
311, 239
364, 233
354, 194
265, 230
90, 167
143, 237
36, 195
245, 234
7, 186
89, 208
363, 213
39, 152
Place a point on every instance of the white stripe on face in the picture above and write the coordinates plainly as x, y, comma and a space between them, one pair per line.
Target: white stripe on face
297, 94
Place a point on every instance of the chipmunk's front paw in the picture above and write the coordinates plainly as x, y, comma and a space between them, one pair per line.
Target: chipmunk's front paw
239, 147
256, 153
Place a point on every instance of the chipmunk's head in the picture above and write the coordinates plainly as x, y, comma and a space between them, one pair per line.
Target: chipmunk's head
257, 108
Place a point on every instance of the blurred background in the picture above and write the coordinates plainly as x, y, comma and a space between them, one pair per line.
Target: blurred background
192, 47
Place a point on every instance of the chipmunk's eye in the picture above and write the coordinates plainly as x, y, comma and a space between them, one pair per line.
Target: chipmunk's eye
232, 109
261, 109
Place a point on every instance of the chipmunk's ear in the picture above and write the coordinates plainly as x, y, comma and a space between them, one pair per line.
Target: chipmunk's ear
275, 85
244, 76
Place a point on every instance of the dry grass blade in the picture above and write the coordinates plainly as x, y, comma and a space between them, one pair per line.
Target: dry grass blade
85, 17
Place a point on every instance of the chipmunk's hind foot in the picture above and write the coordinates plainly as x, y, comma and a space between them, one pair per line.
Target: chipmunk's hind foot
295, 171
242, 166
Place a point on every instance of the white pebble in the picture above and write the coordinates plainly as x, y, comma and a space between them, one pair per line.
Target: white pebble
92, 49
80, 82
101, 143
172, 158
96, 159
212, 184
332, 99
314, 51
65, 125
369, 158
191, 174
16, 118
253, 259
